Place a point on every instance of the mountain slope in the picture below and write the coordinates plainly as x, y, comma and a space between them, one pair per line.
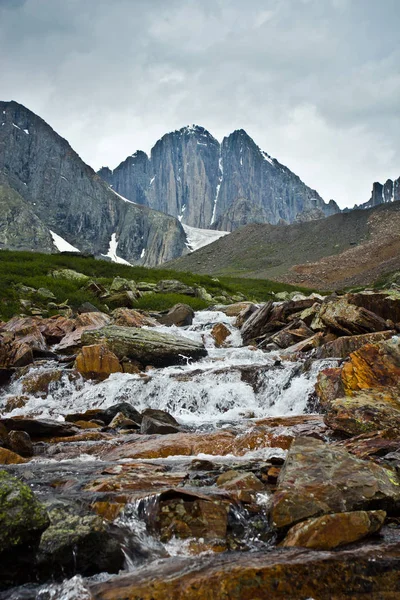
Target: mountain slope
383, 193
66, 196
203, 183
353, 248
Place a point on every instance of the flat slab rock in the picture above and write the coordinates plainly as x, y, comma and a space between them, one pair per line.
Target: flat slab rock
145, 346
39, 427
318, 479
369, 572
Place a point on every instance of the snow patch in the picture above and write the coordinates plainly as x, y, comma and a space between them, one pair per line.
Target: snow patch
26, 131
268, 158
197, 238
16, 126
112, 249
152, 179
143, 253
122, 198
61, 244
221, 176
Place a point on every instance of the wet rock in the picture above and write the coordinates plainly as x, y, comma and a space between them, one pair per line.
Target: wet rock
255, 325
180, 315
331, 531
14, 402
372, 571
245, 314
237, 480
22, 517
186, 515
120, 421
3, 436
150, 425
97, 362
292, 334
379, 443
20, 442
348, 319
8, 457
220, 332
345, 345
318, 479
161, 415
39, 382
125, 317
76, 543
125, 409
148, 347
38, 428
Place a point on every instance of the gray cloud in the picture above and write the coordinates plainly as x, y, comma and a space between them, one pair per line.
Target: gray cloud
316, 83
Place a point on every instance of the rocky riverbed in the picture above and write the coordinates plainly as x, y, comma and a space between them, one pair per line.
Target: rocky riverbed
243, 452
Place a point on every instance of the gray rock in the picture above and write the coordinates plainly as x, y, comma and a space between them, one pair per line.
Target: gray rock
148, 347
180, 315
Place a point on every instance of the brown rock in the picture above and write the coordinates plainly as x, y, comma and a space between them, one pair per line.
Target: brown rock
234, 310
39, 383
220, 332
385, 303
55, 328
345, 345
84, 322
7, 457
331, 531
318, 478
180, 315
244, 314
236, 480
348, 319
126, 317
372, 571
97, 362
38, 427
21, 443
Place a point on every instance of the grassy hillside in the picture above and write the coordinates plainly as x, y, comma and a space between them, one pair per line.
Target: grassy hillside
353, 248
34, 271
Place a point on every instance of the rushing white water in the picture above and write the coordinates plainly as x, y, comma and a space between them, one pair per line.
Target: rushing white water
229, 384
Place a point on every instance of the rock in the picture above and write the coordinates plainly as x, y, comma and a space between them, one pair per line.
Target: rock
38, 428
331, 531
3, 436
203, 294
180, 315
150, 425
160, 415
385, 303
22, 517
119, 284
343, 346
55, 328
70, 275
84, 322
120, 421
292, 334
76, 543
184, 515
97, 362
123, 299
38, 383
125, 317
237, 480
348, 319
21, 443
87, 307
234, 310
148, 347
220, 332
125, 409
245, 314
372, 571
8, 457
318, 479
363, 395
173, 286
254, 326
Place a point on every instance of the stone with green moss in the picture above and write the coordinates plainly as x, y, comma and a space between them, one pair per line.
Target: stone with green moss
22, 517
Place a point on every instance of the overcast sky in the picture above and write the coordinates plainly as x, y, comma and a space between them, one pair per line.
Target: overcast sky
316, 83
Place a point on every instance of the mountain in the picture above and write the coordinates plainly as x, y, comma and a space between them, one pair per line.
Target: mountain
347, 249
383, 193
205, 184
46, 189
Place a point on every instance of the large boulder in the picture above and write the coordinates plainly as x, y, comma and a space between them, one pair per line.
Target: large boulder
347, 319
173, 286
319, 479
70, 275
127, 317
363, 395
22, 517
384, 303
372, 571
84, 322
97, 362
147, 347
39, 428
345, 345
331, 531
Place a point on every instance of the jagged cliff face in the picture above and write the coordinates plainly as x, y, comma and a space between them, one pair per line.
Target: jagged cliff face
383, 193
48, 180
224, 186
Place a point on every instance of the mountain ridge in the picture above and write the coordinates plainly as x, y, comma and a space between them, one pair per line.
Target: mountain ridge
205, 184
